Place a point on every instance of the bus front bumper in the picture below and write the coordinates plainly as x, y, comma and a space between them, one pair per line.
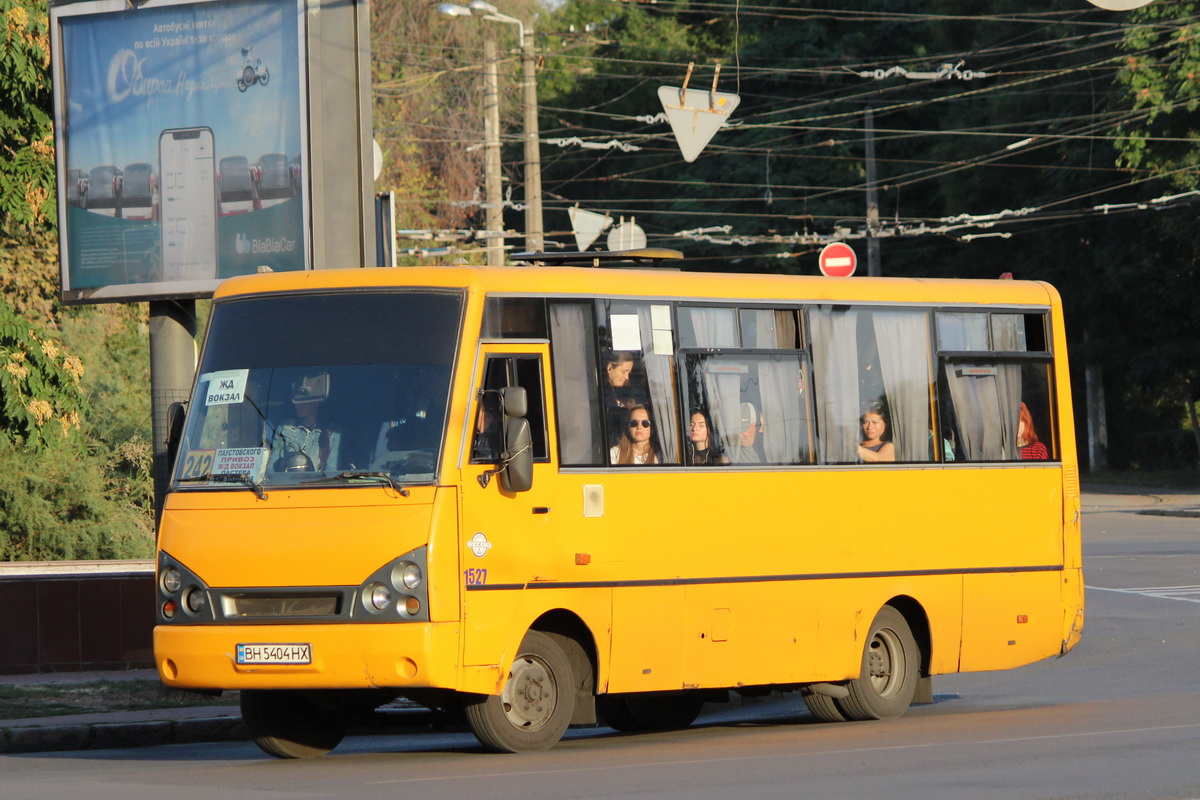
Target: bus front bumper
420, 655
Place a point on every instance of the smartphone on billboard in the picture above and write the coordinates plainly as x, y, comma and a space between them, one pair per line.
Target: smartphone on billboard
188, 216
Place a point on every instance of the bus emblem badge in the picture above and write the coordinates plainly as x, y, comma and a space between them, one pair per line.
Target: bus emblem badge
479, 545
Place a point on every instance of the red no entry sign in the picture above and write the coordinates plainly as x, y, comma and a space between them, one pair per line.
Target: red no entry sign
837, 260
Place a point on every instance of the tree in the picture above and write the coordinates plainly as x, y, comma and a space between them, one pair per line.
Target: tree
75, 463
1160, 73
27, 198
57, 498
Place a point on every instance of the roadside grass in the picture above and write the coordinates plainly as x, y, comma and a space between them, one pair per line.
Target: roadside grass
97, 697
1176, 479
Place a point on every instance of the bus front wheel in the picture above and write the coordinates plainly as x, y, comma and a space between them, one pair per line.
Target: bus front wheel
889, 673
824, 708
289, 724
537, 702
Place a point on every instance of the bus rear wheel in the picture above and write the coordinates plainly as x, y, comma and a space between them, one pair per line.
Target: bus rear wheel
536, 705
289, 724
889, 673
649, 712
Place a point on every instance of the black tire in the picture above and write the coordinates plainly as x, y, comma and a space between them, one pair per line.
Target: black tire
288, 724
536, 704
248, 76
614, 712
651, 711
824, 708
264, 76
890, 669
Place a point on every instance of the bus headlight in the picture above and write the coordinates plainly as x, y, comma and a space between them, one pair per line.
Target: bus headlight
399, 587
410, 576
378, 597
182, 595
171, 581
195, 601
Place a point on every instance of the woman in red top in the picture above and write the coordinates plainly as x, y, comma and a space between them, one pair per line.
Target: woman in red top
1027, 439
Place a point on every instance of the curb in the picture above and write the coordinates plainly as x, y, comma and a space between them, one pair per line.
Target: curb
198, 730
116, 735
1170, 512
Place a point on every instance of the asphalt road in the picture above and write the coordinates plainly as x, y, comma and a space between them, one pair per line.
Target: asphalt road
1117, 718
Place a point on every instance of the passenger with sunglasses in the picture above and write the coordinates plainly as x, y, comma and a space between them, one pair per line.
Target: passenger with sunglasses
637, 444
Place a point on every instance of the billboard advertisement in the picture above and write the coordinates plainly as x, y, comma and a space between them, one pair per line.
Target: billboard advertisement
182, 147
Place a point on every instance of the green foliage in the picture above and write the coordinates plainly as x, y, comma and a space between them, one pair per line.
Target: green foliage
29, 274
40, 385
76, 465
56, 505
27, 175
113, 341
1160, 73
64, 496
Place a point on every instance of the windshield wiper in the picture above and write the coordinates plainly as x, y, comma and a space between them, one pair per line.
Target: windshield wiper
383, 476
243, 478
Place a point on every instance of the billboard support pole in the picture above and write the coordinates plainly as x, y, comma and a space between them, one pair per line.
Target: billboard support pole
341, 153
172, 365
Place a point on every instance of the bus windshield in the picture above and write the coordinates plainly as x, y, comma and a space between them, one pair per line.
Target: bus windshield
314, 388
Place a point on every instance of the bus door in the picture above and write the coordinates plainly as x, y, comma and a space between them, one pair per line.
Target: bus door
511, 539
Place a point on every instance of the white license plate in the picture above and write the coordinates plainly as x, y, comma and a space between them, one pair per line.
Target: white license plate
274, 653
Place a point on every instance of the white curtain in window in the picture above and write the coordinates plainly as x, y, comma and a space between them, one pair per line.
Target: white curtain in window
784, 420
579, 442
902, 338
713, 327
1008, 334
660, 377
983, 397
835, 364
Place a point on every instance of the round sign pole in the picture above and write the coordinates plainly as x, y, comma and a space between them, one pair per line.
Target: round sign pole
837, 260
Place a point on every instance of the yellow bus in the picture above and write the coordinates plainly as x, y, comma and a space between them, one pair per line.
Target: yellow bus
553, 495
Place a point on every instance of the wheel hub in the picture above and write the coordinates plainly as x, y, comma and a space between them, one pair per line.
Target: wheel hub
530, 695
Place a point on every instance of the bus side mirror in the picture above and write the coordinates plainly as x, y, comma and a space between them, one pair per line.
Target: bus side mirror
176, 414
517, 457
515, 401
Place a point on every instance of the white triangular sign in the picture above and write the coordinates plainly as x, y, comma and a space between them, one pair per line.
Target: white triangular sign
697, 117
587, 226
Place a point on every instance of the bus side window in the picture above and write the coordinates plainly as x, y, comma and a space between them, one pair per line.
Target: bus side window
500, 372
865, 356
573, 351
993, 366
637, 343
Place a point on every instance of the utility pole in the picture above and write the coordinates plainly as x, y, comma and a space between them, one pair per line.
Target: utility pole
533, 156
873, 267
491, 154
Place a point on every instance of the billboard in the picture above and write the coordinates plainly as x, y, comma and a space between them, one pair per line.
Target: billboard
182, 145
